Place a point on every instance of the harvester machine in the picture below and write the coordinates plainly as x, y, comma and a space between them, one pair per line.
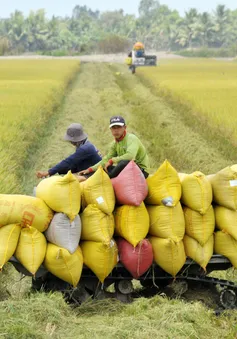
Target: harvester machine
138, 60
120, 284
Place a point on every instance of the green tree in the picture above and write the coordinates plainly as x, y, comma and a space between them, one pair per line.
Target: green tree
221, 18
206, 31
37, 30
16, 30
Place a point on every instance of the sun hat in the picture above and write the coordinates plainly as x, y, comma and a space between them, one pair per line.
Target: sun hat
75, 133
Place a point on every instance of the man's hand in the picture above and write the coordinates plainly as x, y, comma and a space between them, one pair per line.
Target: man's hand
42, 174
80, 178
109, 163
87, 171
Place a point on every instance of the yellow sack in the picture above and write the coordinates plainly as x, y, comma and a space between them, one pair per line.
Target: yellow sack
98, 190
83, 200
167, 222
128, 61
226, 220
31, 249
224, 185
64, 265
96, 225
199, 227
24, 210
100, 258
182, 176
196, 192
164, 187
200, 254
226, 245
9, 236
132, 223
168, 254
61, 194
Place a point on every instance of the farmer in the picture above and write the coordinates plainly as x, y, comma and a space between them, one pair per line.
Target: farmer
124, 148
86, 154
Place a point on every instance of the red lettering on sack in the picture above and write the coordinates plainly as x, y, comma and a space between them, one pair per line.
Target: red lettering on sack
28, 218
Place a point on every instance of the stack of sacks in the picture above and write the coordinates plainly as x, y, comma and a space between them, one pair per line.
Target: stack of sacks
139, 49
224, 185
199, 217
99, 250
132, 220
167, 224
22, 221
63, 256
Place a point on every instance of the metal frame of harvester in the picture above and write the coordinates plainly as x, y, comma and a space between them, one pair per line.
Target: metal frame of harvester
153, 281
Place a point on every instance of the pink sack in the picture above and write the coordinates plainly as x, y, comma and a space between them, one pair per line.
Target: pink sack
130, 185
137, 260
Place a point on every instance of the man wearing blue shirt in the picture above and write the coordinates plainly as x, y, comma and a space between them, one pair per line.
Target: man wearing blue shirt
86, 154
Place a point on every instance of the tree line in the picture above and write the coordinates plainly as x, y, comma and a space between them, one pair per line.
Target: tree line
85, 31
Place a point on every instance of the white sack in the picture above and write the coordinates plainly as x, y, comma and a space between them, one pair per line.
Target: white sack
64, 233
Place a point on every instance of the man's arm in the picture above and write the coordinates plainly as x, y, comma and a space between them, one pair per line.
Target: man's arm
67, 164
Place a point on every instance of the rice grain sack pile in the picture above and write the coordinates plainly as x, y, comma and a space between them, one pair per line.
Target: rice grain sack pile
98, 190
199, 226
199, 217
61, 194
24, 210
226, 245
224, 185
164, 187
226, 220
64, 265
63, 232
100, 258
196, 192
9, 236
130, 186
200, 254
83, 200
167, 222
97, 225
131, 223
31, 249
168, 254
167, 225
136, 260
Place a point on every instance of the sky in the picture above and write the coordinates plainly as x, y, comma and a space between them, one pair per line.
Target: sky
64, 7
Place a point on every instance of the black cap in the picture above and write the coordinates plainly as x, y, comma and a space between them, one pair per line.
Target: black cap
116, 121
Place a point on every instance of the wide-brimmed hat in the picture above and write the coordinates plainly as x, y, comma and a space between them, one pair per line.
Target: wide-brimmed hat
75, 133
116, 121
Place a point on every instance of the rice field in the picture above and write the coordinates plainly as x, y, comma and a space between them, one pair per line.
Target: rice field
208, 87
98, 92
30, 92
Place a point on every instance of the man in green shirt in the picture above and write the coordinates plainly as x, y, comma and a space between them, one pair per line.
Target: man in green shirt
123, 149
